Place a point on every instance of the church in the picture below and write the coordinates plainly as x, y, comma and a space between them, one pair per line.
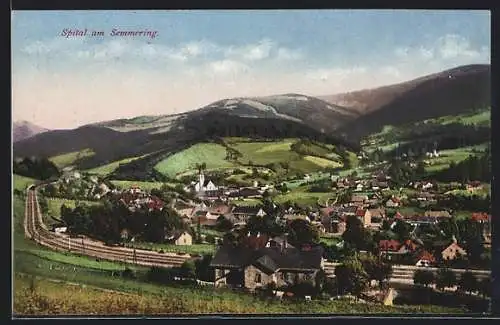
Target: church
204, 187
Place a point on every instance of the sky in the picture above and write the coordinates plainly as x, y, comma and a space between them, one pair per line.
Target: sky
184, 60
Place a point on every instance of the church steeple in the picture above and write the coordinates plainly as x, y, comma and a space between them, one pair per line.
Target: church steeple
201, 180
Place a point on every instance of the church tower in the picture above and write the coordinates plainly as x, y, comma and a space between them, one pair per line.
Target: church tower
201, 181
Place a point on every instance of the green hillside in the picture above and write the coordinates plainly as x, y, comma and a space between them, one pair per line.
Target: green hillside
278, 154
70, 158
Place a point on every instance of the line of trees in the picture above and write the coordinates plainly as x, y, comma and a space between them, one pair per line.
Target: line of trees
106, 221
35, 167
467, 282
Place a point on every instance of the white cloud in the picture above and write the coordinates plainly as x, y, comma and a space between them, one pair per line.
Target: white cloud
288, 54
453, 46
227, 67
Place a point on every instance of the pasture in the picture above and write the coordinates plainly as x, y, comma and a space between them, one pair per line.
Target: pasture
70, 158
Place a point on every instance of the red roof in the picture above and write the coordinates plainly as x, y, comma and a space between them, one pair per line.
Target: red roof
479, 216
389, 245
395, 200
411, 246
360, 213
425, 255
398, 215
326, 211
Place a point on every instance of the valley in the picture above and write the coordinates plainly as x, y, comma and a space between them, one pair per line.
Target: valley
286, 166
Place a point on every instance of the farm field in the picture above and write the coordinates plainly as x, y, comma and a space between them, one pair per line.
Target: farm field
213, 155
143, 185
452, 155
111, 167
55, 204
253, 153
21, 183
302, 197
69, 159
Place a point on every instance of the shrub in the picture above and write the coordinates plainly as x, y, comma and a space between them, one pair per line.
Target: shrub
129, 273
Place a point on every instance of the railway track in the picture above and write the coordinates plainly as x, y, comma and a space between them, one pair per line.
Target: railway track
36, 230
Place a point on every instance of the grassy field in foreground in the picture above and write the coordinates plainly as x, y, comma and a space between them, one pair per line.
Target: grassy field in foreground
21, 182
111, 167
39, 296
70, 158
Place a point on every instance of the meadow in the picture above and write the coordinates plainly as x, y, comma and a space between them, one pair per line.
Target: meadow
252, 153
111, 167
148, 186
213, 155
39, 296
70, 158
21, 183
446, 157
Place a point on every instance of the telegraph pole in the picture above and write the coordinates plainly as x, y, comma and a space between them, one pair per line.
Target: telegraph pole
135, 257
83, 247
69, 243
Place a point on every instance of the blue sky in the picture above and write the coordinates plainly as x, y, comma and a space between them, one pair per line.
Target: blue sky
202, 56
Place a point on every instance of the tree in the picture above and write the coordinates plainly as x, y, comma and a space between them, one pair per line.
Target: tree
223, 224
302, 232
351, 277
355, 234
188, 270
485, 286
423, 277
377, 269
468, 282
402, 229
203, 270
445, 278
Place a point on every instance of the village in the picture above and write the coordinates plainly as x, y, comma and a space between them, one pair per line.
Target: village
269, 245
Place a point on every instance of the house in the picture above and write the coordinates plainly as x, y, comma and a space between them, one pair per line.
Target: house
481, 217
437, 214
154, 203
377, 215
254, 267
393, 202
425, 259
243, 213
427, 186
134, 189
474, 186
358, 199
220, 210
180, 238
291, 217
359, 187
452, 251
348, 211
319, 227
204, 218
394, 250
365, 216
249, 192
425, 196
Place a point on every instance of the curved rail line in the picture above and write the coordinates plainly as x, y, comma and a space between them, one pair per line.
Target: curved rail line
36, 230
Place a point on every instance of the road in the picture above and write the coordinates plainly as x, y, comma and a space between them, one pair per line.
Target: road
36, 230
